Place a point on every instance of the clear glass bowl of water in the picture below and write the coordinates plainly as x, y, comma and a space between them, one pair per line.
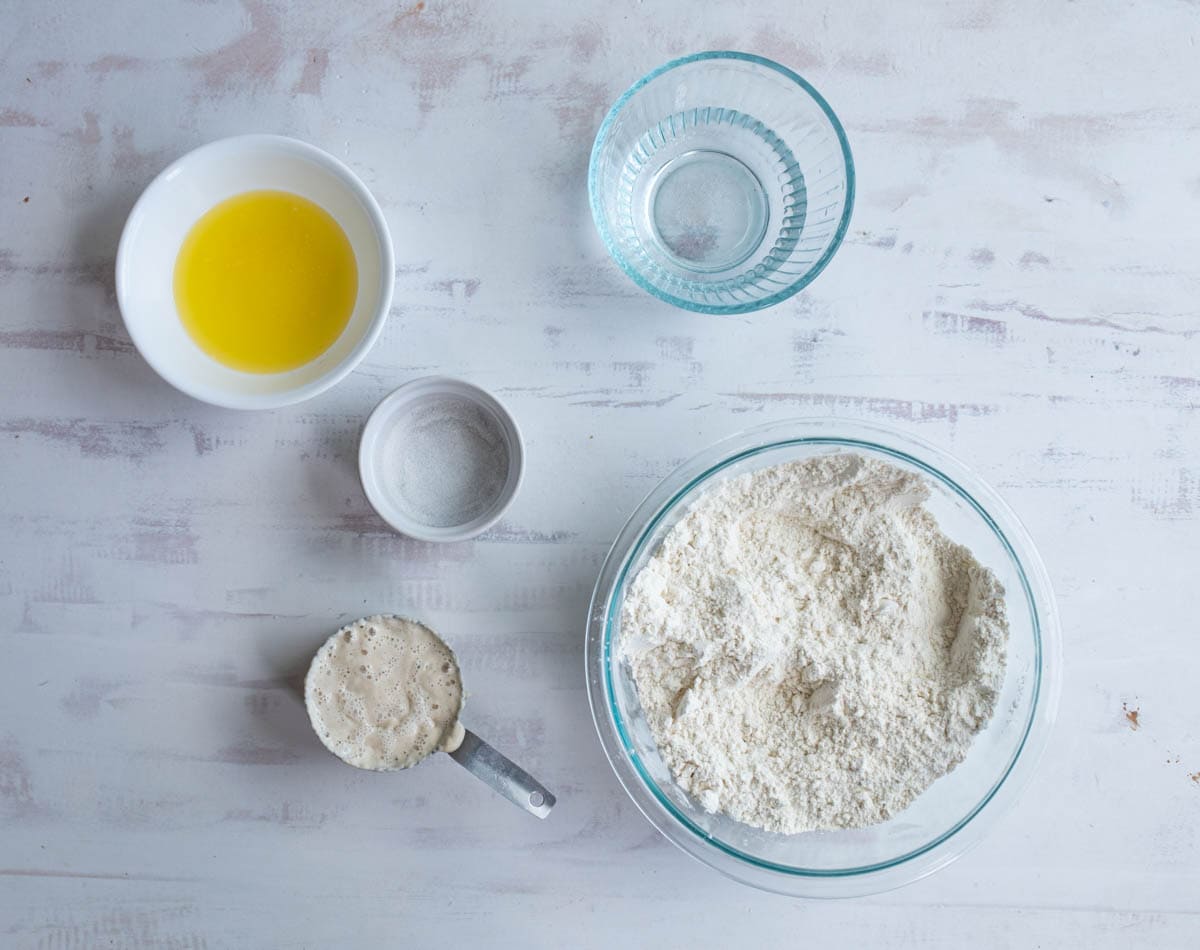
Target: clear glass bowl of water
722, 182
958, 809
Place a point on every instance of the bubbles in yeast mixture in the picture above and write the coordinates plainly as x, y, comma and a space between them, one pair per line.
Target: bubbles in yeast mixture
384, 693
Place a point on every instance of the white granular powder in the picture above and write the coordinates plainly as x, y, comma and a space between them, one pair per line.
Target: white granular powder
450, 461
810, 650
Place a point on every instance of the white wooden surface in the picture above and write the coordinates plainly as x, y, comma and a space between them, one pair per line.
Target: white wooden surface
1020, 285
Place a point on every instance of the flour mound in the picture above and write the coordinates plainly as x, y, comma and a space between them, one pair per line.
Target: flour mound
810, 650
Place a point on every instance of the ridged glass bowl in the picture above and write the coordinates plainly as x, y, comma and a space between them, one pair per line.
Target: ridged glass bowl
954, 812
721, 182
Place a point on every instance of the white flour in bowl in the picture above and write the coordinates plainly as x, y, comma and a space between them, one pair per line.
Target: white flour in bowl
810, 650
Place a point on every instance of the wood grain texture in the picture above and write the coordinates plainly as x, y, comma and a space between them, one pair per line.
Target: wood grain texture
1021, 284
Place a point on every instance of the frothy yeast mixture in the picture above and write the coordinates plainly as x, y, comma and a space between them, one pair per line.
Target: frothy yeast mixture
384, 692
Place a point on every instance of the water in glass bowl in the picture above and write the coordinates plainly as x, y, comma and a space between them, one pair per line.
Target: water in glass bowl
721, 182
699, 200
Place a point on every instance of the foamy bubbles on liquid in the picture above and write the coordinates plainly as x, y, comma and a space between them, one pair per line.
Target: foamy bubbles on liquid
384, 692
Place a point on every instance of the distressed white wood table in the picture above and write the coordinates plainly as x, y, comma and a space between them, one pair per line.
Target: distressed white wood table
1021, 285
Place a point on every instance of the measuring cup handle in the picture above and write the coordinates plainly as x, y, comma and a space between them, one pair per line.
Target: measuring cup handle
503, 775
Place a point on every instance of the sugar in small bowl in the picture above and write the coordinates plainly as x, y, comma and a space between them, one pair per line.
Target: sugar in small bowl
440, 459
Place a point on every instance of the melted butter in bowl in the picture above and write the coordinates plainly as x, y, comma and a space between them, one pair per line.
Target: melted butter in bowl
383, 693
255, 272
266, 281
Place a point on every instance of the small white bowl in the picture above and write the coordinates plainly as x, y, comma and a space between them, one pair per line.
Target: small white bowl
172, 204
382, 446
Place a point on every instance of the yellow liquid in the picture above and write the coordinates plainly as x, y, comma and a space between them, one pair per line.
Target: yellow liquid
265, 282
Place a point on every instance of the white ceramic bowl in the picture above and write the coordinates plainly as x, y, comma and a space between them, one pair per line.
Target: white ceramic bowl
173, 203
382, 445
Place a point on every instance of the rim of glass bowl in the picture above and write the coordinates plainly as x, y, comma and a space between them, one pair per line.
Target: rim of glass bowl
614, 251
658, 809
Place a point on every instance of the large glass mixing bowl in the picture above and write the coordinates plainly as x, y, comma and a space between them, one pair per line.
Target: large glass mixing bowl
957, 810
